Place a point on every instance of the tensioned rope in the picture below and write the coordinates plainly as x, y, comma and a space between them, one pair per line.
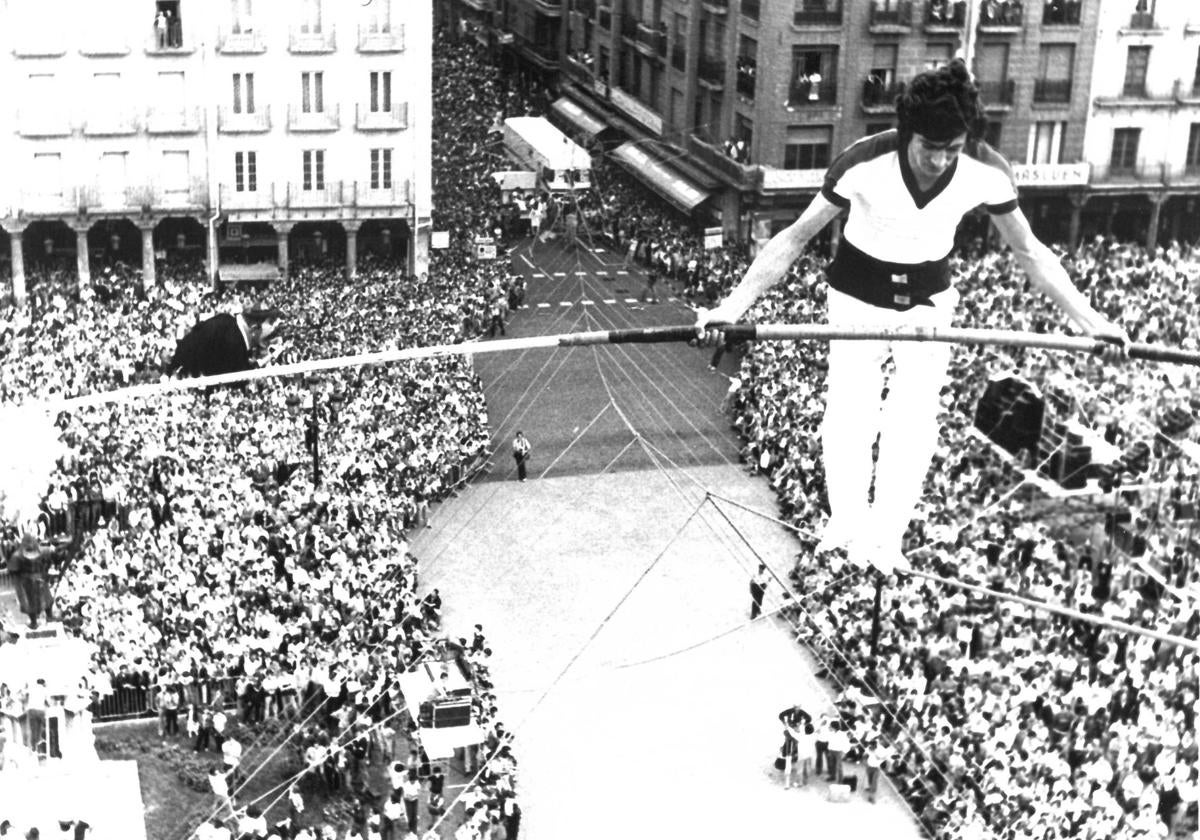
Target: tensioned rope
647, 335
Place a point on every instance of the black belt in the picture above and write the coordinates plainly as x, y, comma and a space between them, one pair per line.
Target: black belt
899, 286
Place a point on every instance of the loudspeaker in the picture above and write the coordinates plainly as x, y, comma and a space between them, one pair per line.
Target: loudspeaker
1010, 413
451, 713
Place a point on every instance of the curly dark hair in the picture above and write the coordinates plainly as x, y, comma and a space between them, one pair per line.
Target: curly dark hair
941, 104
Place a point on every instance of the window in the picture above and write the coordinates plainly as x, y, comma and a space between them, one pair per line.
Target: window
314, 169
379, 16
1137, 61
112, 178
243, 93
381, 169
807, 147
1055, 70
679, 51
1125, 147
381, 90
241, 16
813, 75
46, 175
1192, 161
245, 171
170, 90
938, 55
312, 92
747, 65
743, 131
883, 64
176, 173
310, 16
170, 28
106, 90
677, 114
1045, 142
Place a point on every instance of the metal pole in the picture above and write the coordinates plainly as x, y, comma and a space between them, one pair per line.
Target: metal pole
875, 617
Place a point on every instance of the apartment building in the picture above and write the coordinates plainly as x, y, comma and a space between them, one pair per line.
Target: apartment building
245, 132
674, 84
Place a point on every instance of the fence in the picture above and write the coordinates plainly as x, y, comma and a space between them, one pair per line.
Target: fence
133, 702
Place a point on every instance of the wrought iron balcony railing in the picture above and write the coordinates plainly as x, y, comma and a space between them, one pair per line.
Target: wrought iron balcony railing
891, 13
1052, 90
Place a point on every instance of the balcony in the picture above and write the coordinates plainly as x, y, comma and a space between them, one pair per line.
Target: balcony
394, 118
329, 195
46, 202
1005, 16
42, 42
396, 195
262, 198
374, 40
43, 122
110, 121
651, 41
235, 122
998, 94
879, 97
194, 196
301, 121
945, 16
751, 9
177, 119
1187, 91
715, 7
740, 175
544, 54
170, 41
548, 8
812, 93
305, 40
1052, 91
242, 40
1140, 94
1187, 175
103, 44
1060, 13
818, 13
711, 71
891, 16
108, 198
1142, 173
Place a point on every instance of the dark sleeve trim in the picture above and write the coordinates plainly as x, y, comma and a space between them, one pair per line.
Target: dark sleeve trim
833, 198
1001, 209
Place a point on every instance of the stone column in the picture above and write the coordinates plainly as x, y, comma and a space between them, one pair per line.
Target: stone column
351, 229
149, 279
282, 229
83, 263
15, 235
418, 262
1156, 203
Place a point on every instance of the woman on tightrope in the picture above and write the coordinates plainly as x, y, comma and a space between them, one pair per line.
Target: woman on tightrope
905, 190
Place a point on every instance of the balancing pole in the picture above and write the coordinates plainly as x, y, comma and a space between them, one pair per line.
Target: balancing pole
646, 335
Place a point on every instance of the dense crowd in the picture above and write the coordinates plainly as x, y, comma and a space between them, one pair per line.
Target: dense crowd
220, 573
996, 718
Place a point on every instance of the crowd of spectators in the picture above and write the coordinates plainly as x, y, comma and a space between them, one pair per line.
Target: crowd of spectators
220, 574
998, 720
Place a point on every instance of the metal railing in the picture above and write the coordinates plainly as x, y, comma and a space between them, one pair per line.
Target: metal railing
175, 119
1142, 172
396, 195
877, 94
325, 120
328, 195
374, 39
243, 39
231, 121
48, 201
110, 119
1052, 90
302, 39
747, 76
818, 13
1142, 20
43, 122
394, 118
262, 198
651, 38
679, 56
997, 93
823, 92
1059, 13
131, 702
745, 176
892, 13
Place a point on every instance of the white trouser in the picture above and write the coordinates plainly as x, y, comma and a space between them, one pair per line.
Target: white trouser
906, 422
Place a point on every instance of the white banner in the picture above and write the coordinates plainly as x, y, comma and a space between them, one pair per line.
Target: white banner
714, 237
439, 240
792, 179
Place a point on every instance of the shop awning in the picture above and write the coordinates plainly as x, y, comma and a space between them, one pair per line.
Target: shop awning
659, 177
577, 117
